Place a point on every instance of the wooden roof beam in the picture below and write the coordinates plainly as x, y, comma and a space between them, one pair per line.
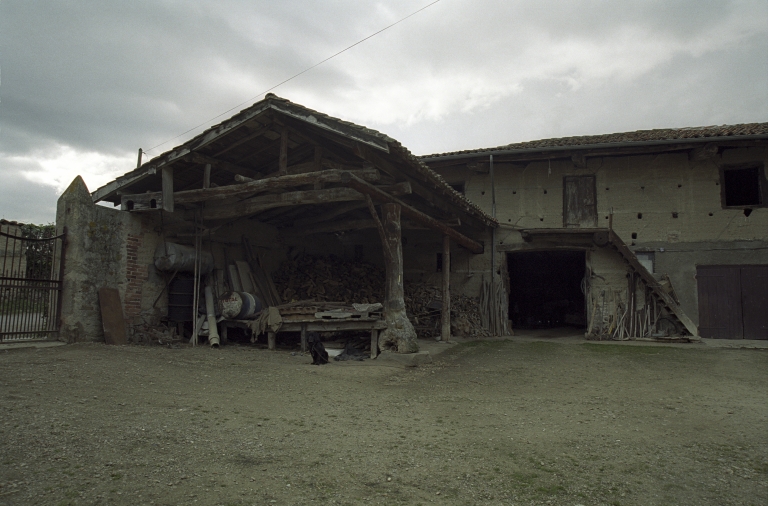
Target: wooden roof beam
259, 185
297, 198
414, 214
419, 189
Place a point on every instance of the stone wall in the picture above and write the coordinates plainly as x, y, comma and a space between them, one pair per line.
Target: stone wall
105, 248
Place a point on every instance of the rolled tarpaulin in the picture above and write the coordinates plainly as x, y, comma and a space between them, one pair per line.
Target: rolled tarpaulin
171, 257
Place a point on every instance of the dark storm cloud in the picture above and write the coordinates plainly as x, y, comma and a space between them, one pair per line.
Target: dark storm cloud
85, 84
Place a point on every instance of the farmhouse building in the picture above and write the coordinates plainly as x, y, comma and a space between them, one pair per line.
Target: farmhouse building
658, 234
690, 205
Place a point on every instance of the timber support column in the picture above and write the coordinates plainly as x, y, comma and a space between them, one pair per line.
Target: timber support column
399, 334
445, 331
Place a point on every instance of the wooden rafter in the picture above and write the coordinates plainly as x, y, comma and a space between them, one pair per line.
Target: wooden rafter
296, 198
259, 185
375, 193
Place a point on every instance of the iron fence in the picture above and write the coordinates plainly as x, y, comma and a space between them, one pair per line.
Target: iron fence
31, 271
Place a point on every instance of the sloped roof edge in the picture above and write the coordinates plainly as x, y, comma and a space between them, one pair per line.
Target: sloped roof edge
347, 129
743, 131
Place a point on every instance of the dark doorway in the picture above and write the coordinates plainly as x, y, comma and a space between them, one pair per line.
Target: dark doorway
546, 289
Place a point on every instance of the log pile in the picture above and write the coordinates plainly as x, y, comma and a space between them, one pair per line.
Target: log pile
329, 278
318, 279
423, 303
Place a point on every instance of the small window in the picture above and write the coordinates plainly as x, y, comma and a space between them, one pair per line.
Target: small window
742, 187
646, 259
458, 187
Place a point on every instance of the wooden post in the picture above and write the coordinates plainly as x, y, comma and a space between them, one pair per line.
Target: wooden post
167, 175
271, 340
303, 337
374, 343
399, 334
283, 163
207, 176
317, 165
445, 332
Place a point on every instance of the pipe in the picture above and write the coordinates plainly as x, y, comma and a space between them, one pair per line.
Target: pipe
213, 331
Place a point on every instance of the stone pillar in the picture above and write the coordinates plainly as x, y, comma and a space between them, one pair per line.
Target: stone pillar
80, 305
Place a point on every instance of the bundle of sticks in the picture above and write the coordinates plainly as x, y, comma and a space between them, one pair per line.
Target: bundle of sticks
423, 304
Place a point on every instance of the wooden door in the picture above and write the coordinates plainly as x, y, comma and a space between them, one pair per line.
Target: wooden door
733, 301
720, 302
579, 202
754, 301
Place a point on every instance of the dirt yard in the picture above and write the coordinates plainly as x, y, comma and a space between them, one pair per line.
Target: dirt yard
493, 422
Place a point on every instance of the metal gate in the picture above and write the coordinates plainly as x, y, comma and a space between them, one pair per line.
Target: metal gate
31, 271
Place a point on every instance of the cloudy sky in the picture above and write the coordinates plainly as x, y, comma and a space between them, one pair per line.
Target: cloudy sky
84, 84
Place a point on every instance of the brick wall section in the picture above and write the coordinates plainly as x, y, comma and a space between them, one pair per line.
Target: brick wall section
136, 275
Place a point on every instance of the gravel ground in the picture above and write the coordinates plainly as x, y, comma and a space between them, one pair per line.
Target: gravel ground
489, 422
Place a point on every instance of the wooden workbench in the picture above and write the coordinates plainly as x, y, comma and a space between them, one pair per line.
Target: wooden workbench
310, 324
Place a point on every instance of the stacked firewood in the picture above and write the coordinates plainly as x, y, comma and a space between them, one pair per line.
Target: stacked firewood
329, 278
423, 304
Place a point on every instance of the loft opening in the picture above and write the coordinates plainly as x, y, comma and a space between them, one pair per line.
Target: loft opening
743, 186
546, 289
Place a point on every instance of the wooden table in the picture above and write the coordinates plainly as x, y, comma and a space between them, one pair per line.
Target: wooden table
309, 324
330, 325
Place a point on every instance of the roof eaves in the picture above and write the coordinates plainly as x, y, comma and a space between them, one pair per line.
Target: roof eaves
688, 135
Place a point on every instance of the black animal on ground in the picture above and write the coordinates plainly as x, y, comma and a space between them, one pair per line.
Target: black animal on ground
316, 348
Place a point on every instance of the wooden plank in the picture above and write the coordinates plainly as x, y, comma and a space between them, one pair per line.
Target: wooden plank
308, 197
334, 326
244, 271
167, 180
283, 161
112, 318
253, 186
234, 278
361, 224
375, 193
207, 176
263, 280
141, 202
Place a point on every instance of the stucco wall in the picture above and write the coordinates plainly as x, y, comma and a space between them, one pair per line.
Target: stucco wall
671, 203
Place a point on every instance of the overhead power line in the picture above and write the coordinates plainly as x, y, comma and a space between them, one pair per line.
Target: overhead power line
295, 76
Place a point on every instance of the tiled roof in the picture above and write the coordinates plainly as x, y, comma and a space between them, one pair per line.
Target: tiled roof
657, 135
352, 130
